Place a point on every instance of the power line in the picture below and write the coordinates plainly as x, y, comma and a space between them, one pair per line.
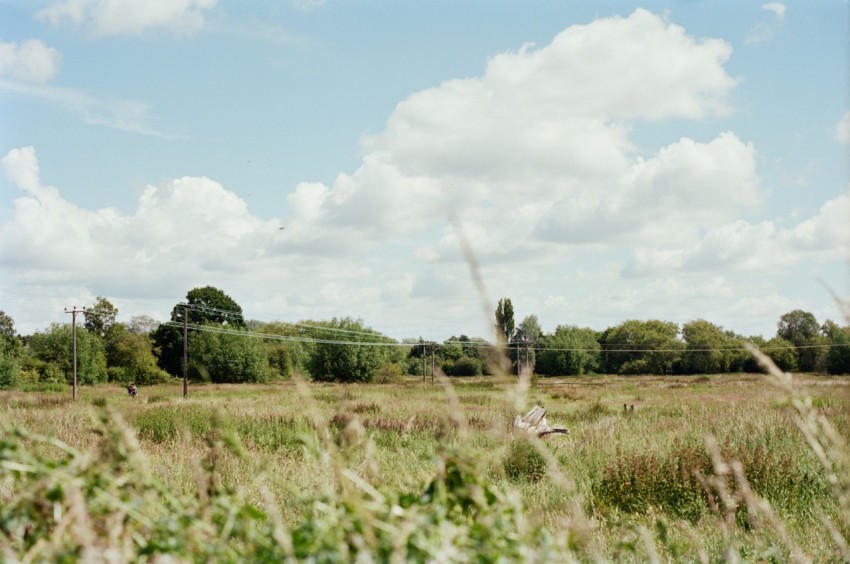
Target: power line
291, 338
245, 333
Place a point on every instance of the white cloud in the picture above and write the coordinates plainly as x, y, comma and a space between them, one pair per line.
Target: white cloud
538, 146
183, 233
31, 62
777, 8
536, 161
132, 116
742, 246
824, 235
766, 30
192, 231
842, 130
129, 17
184, 222
26, 69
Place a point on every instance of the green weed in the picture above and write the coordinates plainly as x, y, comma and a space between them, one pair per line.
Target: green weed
524, 462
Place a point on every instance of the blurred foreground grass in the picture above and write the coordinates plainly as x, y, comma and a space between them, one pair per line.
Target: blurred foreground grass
700, 468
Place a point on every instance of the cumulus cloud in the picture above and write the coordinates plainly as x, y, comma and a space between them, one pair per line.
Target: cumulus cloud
183, 233
537, 149
740, 246
534, 158
176, 226
193, 231
31, 61
129, 17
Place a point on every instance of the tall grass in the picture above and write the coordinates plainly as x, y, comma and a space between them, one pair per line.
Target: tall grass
720, 468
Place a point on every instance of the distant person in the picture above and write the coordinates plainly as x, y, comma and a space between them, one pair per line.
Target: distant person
132, 389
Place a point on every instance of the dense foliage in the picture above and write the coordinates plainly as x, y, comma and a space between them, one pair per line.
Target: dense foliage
223, 347
569, 351
348, 351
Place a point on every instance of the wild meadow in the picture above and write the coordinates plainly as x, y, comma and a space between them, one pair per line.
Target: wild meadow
688, 468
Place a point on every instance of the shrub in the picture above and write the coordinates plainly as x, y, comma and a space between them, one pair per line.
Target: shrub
388, 374
141, 375
523, 461
227, 358
9, 371
117, 374
635, 482
464, 366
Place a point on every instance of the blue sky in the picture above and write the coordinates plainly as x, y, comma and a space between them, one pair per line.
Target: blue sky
606, 161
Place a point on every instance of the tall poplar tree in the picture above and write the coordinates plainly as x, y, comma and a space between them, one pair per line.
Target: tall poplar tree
505, 320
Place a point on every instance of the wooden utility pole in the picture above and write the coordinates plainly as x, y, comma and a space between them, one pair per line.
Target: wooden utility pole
185, 352
74, 311
433, 346
527, 359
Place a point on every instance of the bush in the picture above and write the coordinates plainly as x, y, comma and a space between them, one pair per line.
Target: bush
524, 461
117, 374
352, 362
54, 347
9, 371
141, 375
782, 353
227, 358
388, 374
464, 366
280, 360
636, 482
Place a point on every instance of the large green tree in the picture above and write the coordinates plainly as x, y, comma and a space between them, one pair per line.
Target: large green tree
782, 352
100, 318
569, 351
210, 305
227, 357
838, 353
10, 350
505, 320
801, 328
797, 326
55, 346
709, 349
130, 359
207, 306
349, 351
642, 347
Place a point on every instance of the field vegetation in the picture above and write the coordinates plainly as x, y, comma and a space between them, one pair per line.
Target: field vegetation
695, 468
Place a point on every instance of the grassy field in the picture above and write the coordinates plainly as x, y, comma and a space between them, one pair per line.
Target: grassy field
654, 468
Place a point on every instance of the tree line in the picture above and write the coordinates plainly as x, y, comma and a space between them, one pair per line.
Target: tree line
223, 346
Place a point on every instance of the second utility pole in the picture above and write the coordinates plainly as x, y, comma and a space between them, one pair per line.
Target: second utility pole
74, 313
185, 352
